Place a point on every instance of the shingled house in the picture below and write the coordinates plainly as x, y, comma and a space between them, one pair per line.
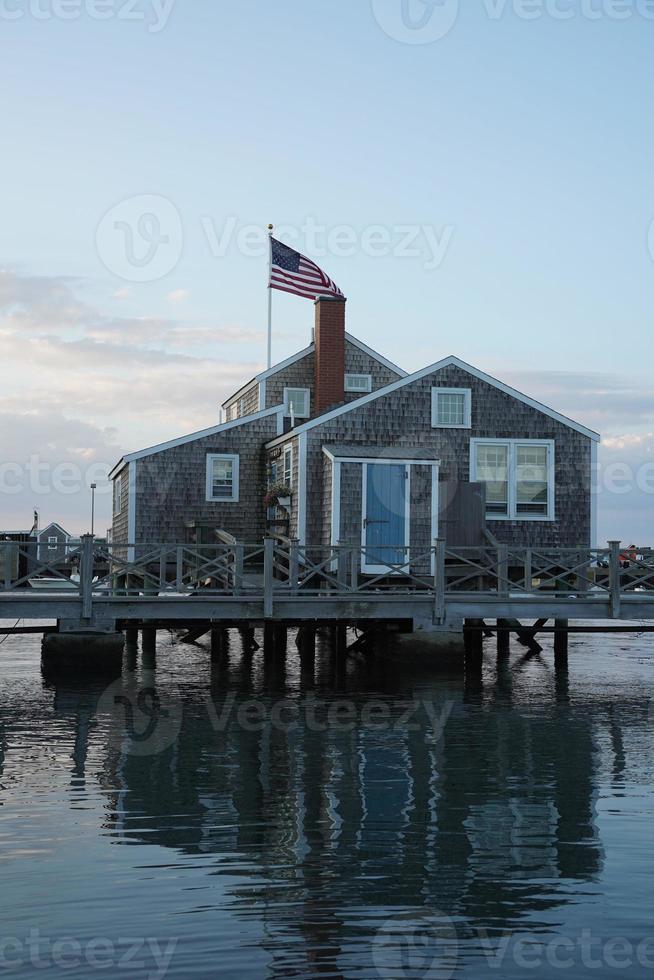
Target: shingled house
371, 455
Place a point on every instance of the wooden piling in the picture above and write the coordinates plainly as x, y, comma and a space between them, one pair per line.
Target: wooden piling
474, 647
561, 642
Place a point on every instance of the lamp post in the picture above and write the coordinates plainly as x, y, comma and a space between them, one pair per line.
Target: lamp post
94, 487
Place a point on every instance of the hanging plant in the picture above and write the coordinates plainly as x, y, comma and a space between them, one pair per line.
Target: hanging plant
273, 495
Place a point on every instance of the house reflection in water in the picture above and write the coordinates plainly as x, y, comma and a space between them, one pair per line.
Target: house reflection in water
316, 829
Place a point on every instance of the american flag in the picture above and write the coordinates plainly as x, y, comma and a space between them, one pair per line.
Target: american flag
295, 273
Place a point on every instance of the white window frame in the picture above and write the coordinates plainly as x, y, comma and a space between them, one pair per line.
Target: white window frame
287, 465
53, 543
297, 415
349, 378
118, 496
235, 460
512, 445
467, 409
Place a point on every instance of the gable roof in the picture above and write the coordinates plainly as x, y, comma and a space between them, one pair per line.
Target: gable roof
294, 358
202, 434
52, 524
450, 361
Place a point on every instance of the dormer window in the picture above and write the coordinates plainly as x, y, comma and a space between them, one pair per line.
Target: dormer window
451, 408
297, 402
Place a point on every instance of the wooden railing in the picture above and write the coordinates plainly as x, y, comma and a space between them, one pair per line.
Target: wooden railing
282, 567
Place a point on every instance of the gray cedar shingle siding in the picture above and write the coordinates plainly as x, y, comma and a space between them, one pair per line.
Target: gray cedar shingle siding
403, 417
249, 403
301, 375
171, 486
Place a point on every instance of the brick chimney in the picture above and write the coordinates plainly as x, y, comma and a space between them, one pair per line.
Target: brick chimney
329, 339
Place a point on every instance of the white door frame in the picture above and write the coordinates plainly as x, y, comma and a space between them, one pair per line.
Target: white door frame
366, 567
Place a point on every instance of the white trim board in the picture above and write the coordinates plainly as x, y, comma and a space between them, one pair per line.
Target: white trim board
450, 361
131, 511
302, 489
203, 434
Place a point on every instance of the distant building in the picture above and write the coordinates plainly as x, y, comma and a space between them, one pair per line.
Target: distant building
53, 543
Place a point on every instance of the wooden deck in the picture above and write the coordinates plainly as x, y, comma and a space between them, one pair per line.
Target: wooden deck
286, 583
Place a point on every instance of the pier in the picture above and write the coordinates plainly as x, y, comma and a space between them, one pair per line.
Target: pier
278, 583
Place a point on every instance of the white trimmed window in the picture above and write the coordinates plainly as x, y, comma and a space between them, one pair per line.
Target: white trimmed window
298, 402
222, 477
451, 408
288, 465
118, 495
360, 383
519, 477
53, 544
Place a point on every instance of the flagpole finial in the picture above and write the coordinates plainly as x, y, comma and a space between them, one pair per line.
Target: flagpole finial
271, 227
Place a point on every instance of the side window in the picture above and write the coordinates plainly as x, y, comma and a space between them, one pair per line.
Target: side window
222, 477
118, 495
288, 466
297, 402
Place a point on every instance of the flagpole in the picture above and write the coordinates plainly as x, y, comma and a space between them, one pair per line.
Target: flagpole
270, 231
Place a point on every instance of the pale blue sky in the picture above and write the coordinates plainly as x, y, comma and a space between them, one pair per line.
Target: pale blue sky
525, 147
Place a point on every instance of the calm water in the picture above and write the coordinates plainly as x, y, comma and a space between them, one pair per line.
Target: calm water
252, 821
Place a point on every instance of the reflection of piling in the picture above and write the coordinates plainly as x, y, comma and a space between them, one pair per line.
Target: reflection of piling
503, 639
219, 645
306, 645
149, 646
131, 647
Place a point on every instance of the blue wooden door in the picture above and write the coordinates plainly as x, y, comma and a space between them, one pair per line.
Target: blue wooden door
385, 515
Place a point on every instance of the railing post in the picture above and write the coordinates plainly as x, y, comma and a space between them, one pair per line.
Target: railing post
86, 575
179, 569
503, 571
268, 577
529, 570
342, 566
239, 563
294, 566
355, 566
7, 563
614, 578
439, 581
